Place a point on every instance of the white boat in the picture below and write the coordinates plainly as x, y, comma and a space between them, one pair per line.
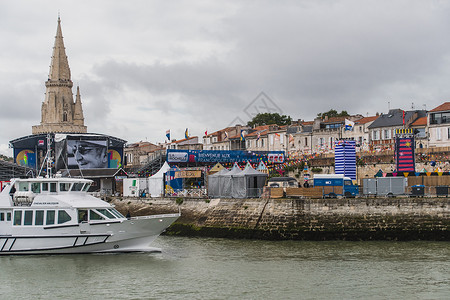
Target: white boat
58, 216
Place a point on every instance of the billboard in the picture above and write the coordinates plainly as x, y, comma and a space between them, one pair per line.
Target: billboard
26, 158
86, 152
404, 154
345, 158
224, 156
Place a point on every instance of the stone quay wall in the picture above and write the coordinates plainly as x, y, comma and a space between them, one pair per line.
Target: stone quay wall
302, 219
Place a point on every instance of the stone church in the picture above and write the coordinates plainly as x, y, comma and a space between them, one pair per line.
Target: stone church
60, 114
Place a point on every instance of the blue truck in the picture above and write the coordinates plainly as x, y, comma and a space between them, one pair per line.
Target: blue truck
334, 185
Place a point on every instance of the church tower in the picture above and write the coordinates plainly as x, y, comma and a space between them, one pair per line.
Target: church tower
60, 114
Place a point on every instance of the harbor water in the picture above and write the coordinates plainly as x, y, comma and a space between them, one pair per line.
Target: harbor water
207, 268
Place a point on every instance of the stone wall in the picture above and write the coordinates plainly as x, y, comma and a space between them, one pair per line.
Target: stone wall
304, 219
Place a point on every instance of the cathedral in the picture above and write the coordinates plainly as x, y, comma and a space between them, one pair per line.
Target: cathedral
59, 113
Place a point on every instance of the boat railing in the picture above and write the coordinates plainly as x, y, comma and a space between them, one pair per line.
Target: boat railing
23, 198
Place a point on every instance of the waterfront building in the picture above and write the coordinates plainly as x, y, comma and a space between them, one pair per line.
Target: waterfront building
382, 130
359, 133
439, 125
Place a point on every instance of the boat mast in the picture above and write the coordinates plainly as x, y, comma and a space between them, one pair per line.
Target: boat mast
48, 159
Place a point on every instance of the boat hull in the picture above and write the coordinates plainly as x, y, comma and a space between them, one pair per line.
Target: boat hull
131, 235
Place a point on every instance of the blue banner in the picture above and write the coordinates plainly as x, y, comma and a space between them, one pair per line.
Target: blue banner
224, 156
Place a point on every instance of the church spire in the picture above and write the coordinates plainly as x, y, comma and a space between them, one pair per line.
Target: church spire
60, 114
78, 117
59, 67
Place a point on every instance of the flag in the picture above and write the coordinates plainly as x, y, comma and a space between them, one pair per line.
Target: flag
168, 134
349, 125
242, 135
186, 134
226, 134
206, 132
291, 138
259, 135
403, 117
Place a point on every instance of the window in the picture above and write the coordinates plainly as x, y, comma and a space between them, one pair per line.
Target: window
106, 213
262, 143
95, 216
23, 186
52, 187
63, 217
2, 216
82, 215
116, 213
18, 217
36, 187
45, 187
77, 186
387, 134
64, 187
39, 217
375, 135
306, 141
28, 218
438, 134
321, 142
50, 217
8, 216
86, 187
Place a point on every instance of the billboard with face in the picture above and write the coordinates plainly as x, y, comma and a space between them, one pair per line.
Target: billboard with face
87, 154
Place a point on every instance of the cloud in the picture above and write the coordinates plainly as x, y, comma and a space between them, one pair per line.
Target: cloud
152, 66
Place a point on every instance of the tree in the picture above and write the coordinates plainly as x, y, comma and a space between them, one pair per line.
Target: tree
269, 118
333, 113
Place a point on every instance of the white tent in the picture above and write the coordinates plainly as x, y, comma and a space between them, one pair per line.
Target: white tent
156, 182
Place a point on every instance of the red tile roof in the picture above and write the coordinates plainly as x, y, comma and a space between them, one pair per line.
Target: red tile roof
443, 107
366, 120
420, 122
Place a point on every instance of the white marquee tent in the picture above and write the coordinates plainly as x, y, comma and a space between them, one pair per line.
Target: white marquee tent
156, 182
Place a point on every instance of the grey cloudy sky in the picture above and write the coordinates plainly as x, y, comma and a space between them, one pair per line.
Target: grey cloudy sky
147, 66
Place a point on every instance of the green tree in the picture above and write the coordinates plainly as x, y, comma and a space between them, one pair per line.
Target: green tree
333, 113
270, 118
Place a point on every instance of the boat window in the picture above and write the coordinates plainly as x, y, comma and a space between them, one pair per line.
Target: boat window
86, 187
23, 186
39, 217
2, 216
95, 216
17, 217
64, 187
36, 187
45, 186
63, 217
8, 216
52, 187
77, 186
28, 218
50, 217
106, 213
82, 215
118, 214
